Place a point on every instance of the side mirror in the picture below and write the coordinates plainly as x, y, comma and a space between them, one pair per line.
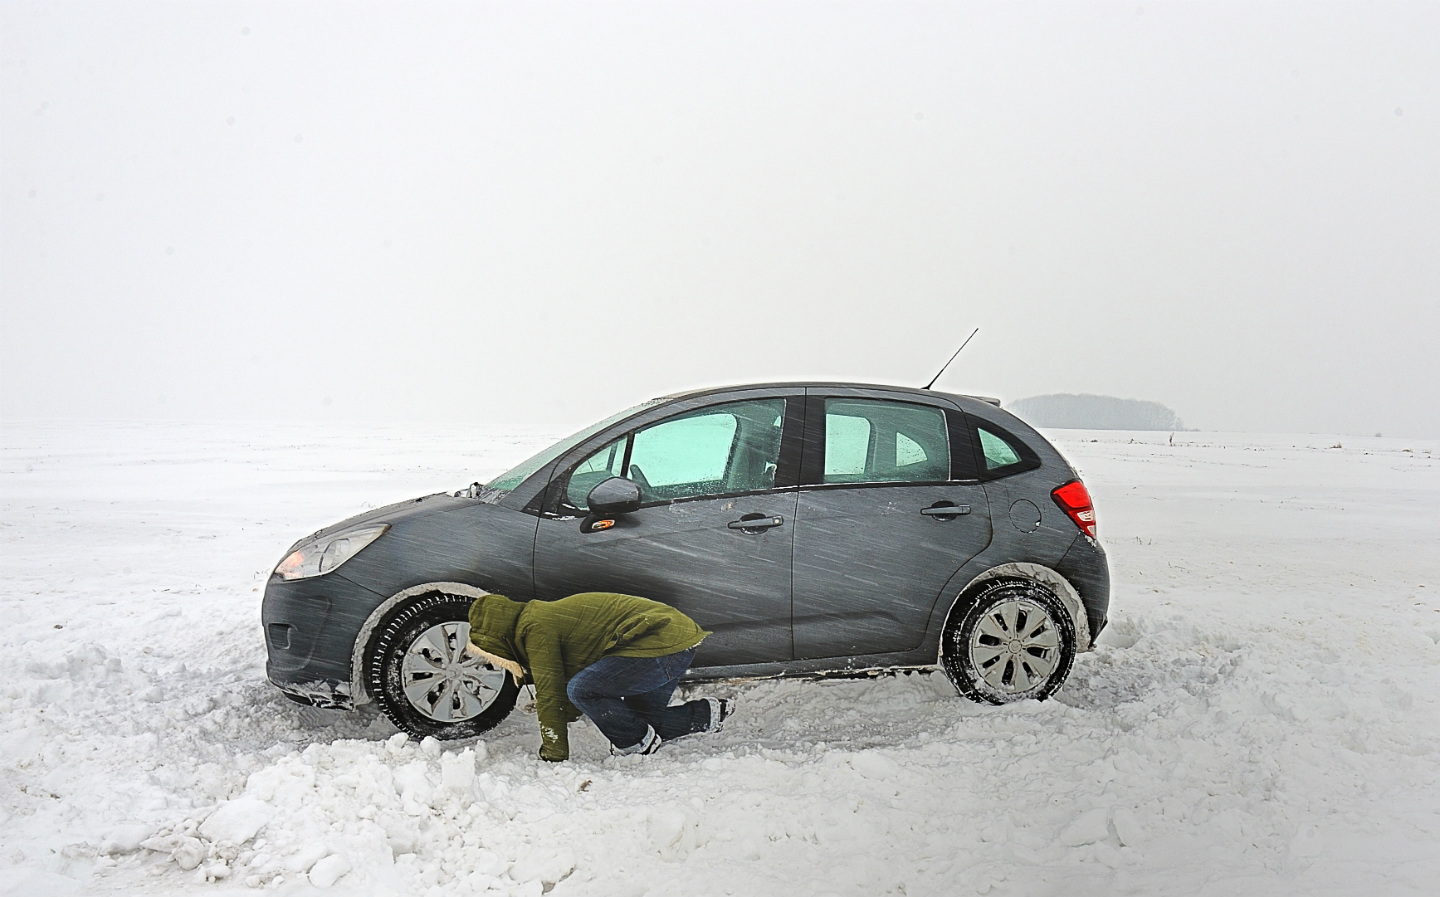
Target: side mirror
616, 495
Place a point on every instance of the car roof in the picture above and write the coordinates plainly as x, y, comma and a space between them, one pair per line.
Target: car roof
823, 384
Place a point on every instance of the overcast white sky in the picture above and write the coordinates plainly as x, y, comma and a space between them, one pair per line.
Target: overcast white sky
540, 213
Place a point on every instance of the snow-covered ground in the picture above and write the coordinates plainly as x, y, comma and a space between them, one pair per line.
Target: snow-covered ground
1260, 717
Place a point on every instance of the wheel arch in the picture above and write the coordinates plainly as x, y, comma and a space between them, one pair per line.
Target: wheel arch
1022, 570
367, 630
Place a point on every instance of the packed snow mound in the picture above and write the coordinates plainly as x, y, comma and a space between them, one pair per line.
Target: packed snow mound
1261, 715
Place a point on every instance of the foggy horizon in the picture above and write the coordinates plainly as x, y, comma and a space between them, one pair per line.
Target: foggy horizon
539, 214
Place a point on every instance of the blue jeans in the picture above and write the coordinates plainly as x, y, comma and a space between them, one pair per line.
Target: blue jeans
624, 695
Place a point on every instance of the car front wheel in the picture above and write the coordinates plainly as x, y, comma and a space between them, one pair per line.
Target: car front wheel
1014, 640
420, 675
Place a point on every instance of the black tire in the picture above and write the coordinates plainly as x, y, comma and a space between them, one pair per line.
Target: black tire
419, 675
1032, 663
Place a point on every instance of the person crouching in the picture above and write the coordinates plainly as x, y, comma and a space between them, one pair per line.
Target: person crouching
615, 658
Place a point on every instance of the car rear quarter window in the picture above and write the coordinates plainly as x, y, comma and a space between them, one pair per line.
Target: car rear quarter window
1003, 453
998, 452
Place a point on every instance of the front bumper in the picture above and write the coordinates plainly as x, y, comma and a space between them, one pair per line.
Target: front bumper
310, 628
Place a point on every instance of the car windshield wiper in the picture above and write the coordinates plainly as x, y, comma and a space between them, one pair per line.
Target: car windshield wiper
481, 492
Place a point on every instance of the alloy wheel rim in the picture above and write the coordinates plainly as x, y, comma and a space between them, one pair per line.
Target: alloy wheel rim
1015, 646
442, 681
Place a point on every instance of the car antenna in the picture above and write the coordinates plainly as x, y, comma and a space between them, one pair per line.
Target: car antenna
953, 357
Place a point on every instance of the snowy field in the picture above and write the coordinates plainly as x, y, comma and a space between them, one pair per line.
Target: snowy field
1261, 717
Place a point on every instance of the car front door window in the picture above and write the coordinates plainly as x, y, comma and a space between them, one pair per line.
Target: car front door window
684, 457
604, 464
727, 449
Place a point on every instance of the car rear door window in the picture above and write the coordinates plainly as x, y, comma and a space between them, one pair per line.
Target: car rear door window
847, 446
878, 441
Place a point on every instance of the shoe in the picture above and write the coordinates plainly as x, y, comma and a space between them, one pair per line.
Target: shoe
720, 710
646, 745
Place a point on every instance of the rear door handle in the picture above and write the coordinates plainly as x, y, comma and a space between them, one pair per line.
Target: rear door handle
946, 511
755, 522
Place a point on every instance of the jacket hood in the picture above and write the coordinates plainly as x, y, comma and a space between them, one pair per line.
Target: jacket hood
492, 626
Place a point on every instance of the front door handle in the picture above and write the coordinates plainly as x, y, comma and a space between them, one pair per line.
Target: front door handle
754, 523
946, 511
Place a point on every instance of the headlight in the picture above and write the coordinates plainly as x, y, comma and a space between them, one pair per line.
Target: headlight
324, 555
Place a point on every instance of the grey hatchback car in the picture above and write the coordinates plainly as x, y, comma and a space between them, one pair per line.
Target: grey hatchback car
811, 527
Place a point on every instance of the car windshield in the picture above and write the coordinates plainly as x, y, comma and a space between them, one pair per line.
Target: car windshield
516, 475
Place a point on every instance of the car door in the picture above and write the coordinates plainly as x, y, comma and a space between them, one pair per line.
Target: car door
713, 534
888, 511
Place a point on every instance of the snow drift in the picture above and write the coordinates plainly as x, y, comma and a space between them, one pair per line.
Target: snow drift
1261, 714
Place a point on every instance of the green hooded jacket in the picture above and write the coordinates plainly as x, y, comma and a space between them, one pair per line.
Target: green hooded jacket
554, 640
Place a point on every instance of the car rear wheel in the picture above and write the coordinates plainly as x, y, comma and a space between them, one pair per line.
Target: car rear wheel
1013, 640
418, 672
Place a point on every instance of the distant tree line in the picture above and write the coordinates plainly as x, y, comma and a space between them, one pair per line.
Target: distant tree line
1087, 412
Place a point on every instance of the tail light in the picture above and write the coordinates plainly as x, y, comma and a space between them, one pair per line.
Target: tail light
1074, 499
